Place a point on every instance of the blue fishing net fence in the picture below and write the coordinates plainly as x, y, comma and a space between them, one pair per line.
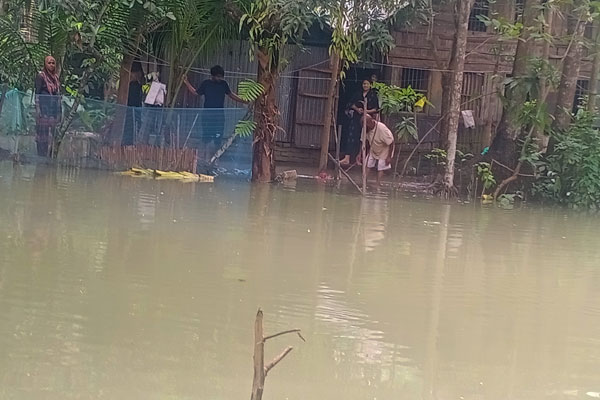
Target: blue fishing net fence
111, 136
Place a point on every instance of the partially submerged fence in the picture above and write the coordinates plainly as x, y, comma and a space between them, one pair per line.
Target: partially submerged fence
107, 135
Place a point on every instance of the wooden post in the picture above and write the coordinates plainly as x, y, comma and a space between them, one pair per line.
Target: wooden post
338, 138
3, 89
334, 64
258, 382
260, 369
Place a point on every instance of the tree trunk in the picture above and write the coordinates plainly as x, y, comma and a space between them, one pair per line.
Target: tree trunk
334, 64
258, 382
124, 78
3, 89
265, 116
116, 132
540, 134
446, 92
570, 71
457, 66
503, 145
595, 75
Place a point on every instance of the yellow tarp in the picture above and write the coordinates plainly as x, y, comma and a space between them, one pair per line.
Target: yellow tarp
178, 176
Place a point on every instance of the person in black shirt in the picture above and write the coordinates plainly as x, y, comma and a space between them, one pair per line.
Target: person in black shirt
214, 91
133, 118
351, 140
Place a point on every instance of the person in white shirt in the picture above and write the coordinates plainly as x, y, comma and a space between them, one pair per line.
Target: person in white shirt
153, 109
381, 145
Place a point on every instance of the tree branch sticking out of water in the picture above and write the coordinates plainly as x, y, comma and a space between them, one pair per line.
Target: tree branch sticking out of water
260, 369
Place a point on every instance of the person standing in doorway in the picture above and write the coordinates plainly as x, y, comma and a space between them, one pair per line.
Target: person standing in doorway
381, 147
214, 91
350, 143
47, 105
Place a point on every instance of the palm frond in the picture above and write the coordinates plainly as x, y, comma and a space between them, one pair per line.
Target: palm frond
245, 128
250, 90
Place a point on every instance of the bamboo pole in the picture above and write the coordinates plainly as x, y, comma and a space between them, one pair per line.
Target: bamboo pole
337, 163
364, 149
338, 136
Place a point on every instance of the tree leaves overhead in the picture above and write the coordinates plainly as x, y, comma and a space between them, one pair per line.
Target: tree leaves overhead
271, 24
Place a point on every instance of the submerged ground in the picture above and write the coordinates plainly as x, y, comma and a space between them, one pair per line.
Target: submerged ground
118, 288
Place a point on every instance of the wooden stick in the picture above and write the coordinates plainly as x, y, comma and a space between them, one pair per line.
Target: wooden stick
260, 370
277, 359
337, 162
285, 333
338, 136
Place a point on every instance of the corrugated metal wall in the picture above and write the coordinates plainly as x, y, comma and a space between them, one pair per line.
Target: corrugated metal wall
234, 58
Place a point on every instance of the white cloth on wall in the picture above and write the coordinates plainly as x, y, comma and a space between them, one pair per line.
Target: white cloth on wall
468, 118
156, 94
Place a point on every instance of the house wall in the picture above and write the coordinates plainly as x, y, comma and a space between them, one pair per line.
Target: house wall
234, 58
413, 62
488, 62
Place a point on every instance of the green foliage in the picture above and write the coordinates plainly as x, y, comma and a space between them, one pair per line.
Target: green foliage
245, 128
507, 200
250, 90
22, 50
407, 127
538, 70
77, 34
439, 156
504, 28
362, 30
396, 100
571, 174
376, 41
271, 24
485, 175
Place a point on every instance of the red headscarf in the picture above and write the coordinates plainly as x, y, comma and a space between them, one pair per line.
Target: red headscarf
50, 77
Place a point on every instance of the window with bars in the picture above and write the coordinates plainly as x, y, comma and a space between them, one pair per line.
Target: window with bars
418, 79
470, 98
581, 90
519, 8
480, 8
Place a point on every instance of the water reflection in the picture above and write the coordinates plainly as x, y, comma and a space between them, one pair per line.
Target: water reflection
121, 288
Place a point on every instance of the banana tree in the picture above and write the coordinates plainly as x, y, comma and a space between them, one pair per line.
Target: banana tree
270, 26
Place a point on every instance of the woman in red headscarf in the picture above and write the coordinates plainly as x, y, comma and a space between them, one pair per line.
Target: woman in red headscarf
47, 90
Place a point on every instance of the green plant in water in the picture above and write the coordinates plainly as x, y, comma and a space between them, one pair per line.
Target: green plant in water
486, 176
439, 156
571, 174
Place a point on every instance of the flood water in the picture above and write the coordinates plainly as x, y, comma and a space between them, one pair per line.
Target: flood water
117, 288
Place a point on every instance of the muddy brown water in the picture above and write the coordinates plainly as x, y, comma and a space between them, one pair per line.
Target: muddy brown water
117, 288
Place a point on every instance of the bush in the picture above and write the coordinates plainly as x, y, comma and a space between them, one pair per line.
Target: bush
571, 174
